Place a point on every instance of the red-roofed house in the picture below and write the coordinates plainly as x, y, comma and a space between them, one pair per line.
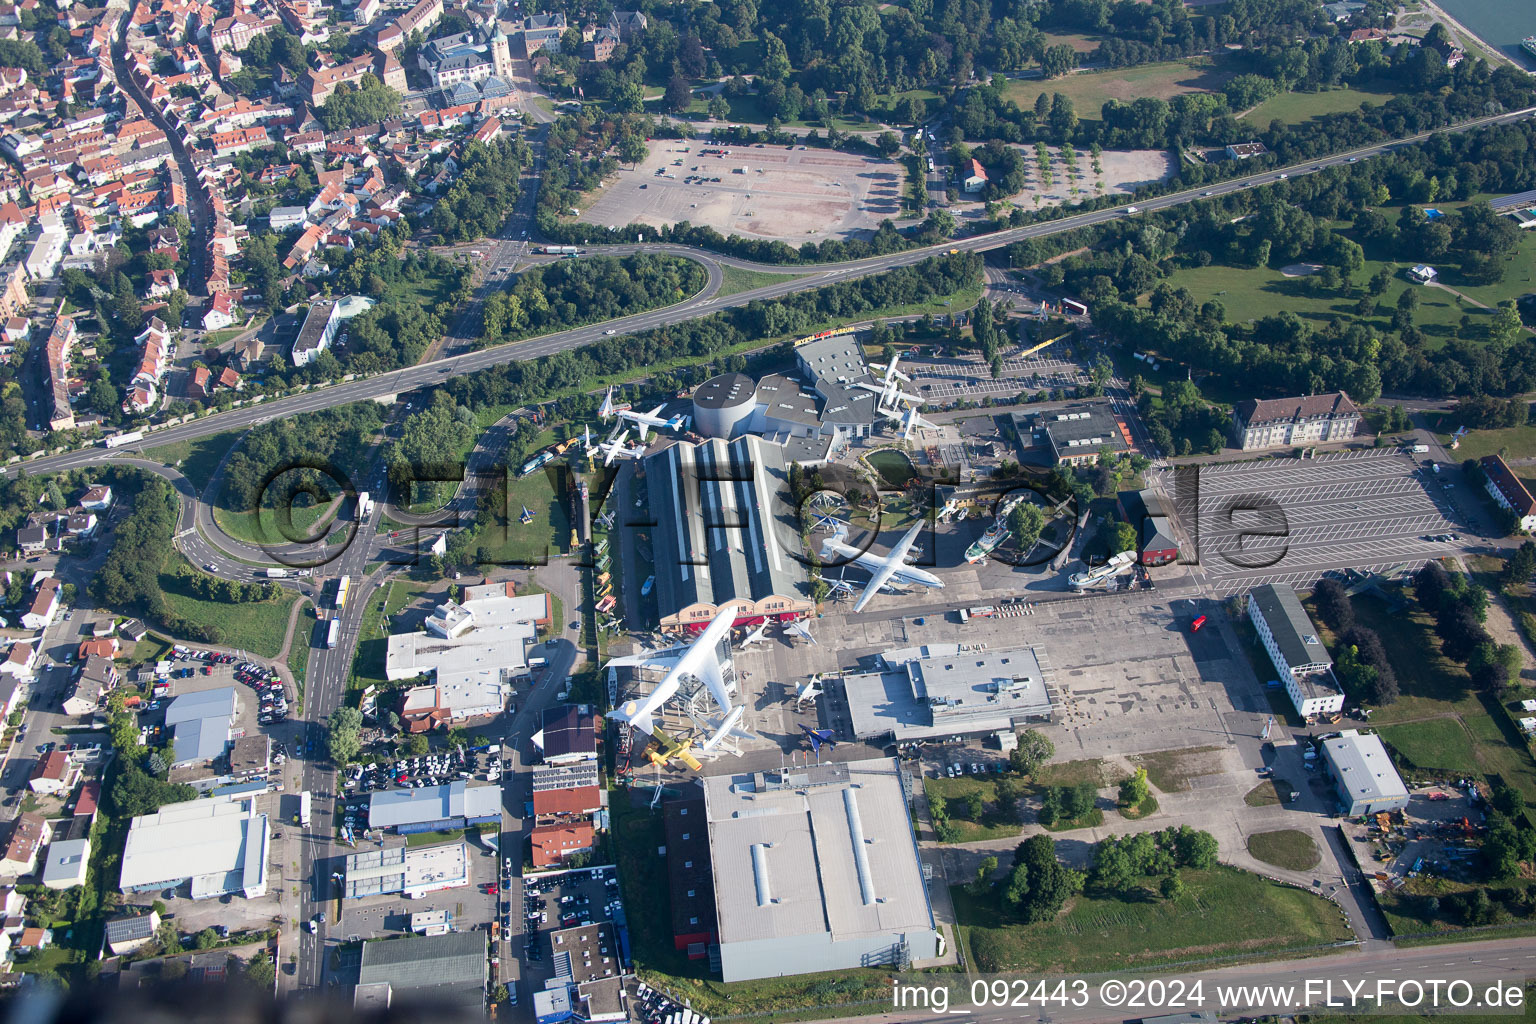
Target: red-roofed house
1506, 489
977, 179
220, 312
553, 843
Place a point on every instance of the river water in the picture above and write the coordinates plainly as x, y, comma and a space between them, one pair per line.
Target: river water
1500, 23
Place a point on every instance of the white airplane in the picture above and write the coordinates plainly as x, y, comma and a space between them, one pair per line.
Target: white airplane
760, 633
801, 630
698, 659
643, 421
719, 728
615, 448
889, 388
908, 418
808, 691
885, 573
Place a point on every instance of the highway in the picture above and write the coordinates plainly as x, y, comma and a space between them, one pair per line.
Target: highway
386, 386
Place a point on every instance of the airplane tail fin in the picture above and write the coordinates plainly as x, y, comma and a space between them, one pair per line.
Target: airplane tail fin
634, 718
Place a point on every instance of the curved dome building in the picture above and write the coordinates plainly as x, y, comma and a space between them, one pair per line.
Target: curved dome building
723, 405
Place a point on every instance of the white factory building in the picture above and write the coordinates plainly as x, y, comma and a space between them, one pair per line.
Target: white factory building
816, 869
219, 844
1297, 652
410, 871
1363, 774
472, 652
917, 693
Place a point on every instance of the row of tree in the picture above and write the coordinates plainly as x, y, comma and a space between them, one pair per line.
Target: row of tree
311, 454
1362, 663
1459, 606
568, 293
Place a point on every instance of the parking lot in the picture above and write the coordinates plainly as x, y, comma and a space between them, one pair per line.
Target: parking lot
793, 193
565, 899
1289, 521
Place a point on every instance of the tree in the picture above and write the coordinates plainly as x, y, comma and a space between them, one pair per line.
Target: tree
1026, 521
207, 939
632, 149
261, 971
1123, 538
1521, 565
342, 736
973, 805
1135, 789
1171, 887
887, 144
499, 994
170, 941
679, 97
983, 880
1034, 750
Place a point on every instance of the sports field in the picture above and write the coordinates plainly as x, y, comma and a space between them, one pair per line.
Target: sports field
1296, 107
1089, 89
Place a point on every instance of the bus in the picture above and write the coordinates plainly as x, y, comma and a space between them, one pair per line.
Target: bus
333, 634
342, 586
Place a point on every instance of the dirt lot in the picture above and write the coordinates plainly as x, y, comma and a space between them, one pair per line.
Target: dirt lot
792, 194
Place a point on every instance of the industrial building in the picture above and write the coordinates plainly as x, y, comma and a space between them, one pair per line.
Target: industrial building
473, 651
434, 808
689, 879
1078, 435
1308, 419
200, 724
447, 972
716, 539
1297, 652
567, 789
317, 333
411, 871
1363, 775
816, 869
918, 693
219, 845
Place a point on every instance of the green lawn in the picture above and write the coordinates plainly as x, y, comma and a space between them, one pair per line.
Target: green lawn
262, 526
735, 279
1514, 442
1439, 722
1286, 848
1439, 743
1265, 794
1296, 107
257, 626
298, 651
373, 633
197, 458
1519, 273
1251, 293
955, 791
1089, 89
1223, 912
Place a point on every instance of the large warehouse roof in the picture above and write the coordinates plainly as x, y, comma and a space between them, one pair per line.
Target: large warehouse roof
947, 689
201, 723
395, 807
1362, 766
441, 968
716, 539
220, 844
821, 850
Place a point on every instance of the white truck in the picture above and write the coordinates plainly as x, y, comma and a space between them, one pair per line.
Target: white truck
1420, 449
364, 505
277, 574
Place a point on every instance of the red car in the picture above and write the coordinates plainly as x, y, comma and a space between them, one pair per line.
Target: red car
492, 889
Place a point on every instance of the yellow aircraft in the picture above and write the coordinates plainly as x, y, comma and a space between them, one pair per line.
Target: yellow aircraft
667, 748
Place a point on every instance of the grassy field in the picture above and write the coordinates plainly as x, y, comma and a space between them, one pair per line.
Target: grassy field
735, 279
257, 627
1171, 770
197, 458
1223, 912
1296, 107
1251, 293
1145, 809
1089, 89
1519, 271
1437, 743
1515, 442
1286, 848
1265, 794
373, 634
955, 792
262, 526
298, 651
1439, 717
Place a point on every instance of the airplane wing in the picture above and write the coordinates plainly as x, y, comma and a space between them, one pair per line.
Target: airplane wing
892, 562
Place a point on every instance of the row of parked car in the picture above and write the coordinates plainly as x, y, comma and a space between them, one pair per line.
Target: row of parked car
271, 693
